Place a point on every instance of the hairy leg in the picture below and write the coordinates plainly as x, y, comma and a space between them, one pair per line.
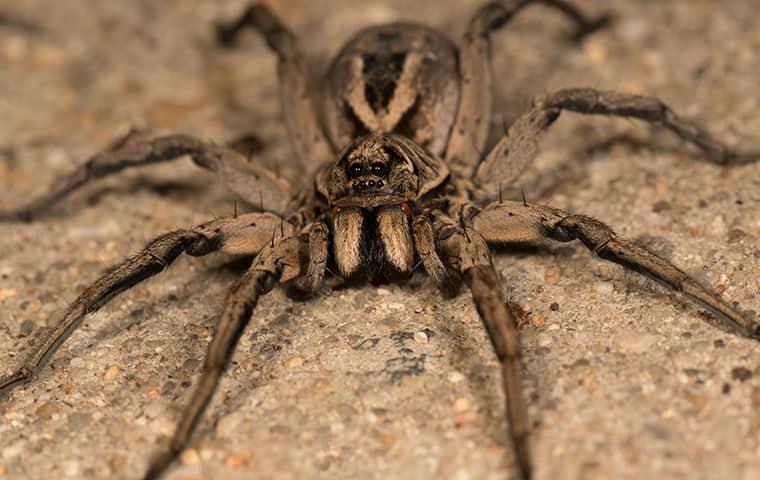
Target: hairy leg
468, 252
245, 178
299, 111
246, 234
424, 244
318, 243
514, 152
468, 136
258, 280
508, 222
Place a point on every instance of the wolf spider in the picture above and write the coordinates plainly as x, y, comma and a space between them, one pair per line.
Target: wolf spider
394, 178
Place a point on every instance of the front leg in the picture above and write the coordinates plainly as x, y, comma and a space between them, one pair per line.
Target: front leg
515, 222
243, 235
470, 131
520, 146
252, 182
467, 251
308, 139
266, 270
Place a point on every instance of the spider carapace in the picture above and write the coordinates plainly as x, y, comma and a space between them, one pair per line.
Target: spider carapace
395, 177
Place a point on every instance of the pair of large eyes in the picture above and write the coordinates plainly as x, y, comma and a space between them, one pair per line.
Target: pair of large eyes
377, 169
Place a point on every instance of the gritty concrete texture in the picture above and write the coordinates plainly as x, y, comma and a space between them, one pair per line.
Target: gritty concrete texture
623, 381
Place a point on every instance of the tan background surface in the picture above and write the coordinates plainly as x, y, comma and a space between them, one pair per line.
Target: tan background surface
623, 382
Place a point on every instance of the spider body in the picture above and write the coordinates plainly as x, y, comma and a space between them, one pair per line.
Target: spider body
397, 176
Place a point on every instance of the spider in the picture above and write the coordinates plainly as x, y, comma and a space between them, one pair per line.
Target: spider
395, 178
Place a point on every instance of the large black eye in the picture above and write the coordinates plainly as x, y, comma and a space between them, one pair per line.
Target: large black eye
379, 169
355, 170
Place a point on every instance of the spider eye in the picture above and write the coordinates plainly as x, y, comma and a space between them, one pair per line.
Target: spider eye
355, 170
379, 169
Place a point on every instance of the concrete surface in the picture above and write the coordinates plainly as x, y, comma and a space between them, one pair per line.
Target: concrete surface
623, 380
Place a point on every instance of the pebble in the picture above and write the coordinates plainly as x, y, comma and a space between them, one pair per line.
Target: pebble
552, 275
604, 288
456, 377
386, 439
462, 404
465, 418
420, 337
27, 327
189, 456
163, 426
294, 362
595, 51
321, 384
238, 459
741, 373
112, 372
47, 410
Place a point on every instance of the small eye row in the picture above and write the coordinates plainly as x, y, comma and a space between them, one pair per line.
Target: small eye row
368, 184
357, 170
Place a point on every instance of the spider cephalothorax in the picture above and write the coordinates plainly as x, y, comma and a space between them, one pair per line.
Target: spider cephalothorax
371, 189
394, 179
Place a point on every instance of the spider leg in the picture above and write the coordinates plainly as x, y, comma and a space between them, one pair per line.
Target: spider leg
467, 250
424, 244
258, 280
519, 146
301, 120
318, 244
241, 176
470, 131
510, 221
246, 234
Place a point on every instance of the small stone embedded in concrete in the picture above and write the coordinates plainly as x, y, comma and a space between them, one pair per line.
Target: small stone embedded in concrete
537, 319
189, 456
294, 362
604, 288
386, 439
462, 404
741, 373
552, 275
163, 426
238, 459
455, 377
112, 372
47, 410
27, 327
420, 337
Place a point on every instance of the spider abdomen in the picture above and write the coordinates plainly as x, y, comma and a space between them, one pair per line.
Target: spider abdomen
400, 78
